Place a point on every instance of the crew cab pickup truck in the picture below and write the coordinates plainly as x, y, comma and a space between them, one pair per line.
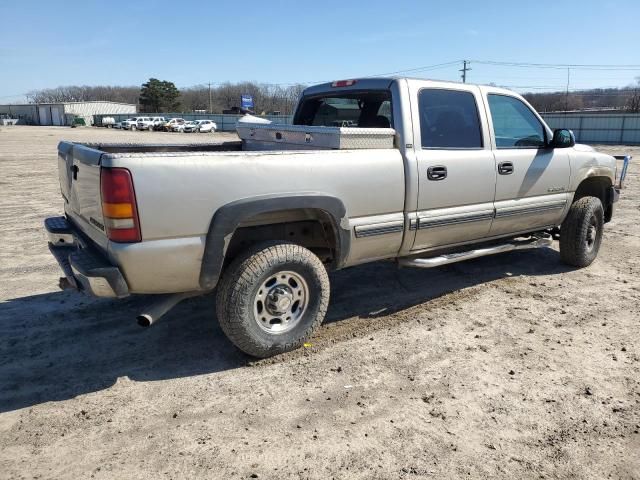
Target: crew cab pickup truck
420, 172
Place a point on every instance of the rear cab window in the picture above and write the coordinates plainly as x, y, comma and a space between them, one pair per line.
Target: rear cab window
449, 119
364, 109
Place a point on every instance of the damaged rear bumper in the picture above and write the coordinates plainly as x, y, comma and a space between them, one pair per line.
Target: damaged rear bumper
85, 267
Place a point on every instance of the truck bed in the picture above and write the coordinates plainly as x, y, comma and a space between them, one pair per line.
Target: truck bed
179, 189
234, 146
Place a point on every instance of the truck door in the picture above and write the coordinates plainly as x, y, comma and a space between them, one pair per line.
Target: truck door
532, 182
456, 167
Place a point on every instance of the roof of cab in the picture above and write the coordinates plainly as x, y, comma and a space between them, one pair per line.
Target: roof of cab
381, 83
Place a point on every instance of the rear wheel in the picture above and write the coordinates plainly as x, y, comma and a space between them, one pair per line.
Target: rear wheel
581, 232
271, 298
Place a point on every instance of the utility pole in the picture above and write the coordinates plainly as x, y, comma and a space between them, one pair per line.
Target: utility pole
464, 70
566, 97
210, 104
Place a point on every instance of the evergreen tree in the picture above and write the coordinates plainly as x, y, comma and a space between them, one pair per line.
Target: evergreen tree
159, 96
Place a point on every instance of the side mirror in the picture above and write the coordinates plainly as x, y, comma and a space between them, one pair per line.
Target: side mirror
563, 138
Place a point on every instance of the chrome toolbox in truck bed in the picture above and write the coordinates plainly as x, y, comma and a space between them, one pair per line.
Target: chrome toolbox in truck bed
257, 136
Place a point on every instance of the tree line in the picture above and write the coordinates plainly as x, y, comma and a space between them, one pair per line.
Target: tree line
163, 96
626, 99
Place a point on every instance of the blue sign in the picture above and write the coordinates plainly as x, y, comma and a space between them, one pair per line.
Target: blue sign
246, 101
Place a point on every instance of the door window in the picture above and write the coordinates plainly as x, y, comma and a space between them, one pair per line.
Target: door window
514, 124
449, 119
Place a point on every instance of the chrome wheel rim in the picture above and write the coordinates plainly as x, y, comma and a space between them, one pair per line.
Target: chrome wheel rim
280, 302
592, 234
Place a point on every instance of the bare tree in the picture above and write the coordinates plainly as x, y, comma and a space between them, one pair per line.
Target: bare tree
84, 93
626, 98
633, 103
267, 97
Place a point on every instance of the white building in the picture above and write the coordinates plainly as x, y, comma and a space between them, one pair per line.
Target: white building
63, 113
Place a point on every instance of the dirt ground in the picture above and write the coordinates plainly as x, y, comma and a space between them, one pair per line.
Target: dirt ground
512, 366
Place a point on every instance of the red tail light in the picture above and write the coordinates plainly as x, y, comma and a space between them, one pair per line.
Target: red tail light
343, 83
119, 205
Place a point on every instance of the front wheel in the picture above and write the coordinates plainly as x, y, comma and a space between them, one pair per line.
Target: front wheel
581, 232
271, 298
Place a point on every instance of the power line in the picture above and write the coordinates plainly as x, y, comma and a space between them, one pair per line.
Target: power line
417, 69
464, 70
563, 66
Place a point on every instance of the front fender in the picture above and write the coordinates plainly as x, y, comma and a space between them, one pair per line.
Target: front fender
587, 164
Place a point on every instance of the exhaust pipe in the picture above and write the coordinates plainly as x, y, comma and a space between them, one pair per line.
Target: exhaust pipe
154, 310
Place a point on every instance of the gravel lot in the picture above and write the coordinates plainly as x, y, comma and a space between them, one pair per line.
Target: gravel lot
512, 366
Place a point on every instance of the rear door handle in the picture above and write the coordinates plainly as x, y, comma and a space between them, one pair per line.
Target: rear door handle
74, 171
505, 168
437, 172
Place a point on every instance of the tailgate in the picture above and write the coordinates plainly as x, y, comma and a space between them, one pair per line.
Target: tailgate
79, 174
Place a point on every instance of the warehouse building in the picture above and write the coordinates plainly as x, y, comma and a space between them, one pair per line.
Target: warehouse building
63, 113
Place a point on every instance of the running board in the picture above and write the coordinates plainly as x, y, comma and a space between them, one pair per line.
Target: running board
479, 252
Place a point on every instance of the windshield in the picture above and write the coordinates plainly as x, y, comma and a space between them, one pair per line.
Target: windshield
369, 109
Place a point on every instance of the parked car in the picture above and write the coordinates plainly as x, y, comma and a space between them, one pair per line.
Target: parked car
188, 127
178, 126
191, 126
157, 121
130, 123
144, 123
148, 123
207, 126
169, 125
466, 171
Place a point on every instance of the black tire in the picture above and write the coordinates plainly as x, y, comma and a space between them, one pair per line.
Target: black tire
581, 232
243, 281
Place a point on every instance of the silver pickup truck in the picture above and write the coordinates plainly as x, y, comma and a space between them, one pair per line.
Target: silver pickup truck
467, 171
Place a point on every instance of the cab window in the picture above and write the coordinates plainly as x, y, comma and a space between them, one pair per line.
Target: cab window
366, 109
448, 119
514, 124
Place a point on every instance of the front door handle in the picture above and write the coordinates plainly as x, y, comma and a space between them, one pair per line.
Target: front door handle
505, 168
437, 172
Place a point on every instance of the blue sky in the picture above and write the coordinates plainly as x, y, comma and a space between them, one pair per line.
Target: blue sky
51, 43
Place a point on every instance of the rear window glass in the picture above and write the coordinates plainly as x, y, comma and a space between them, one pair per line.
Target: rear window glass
370, 109
449, 119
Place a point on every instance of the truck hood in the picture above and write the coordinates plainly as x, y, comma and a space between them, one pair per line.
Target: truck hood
581, 147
